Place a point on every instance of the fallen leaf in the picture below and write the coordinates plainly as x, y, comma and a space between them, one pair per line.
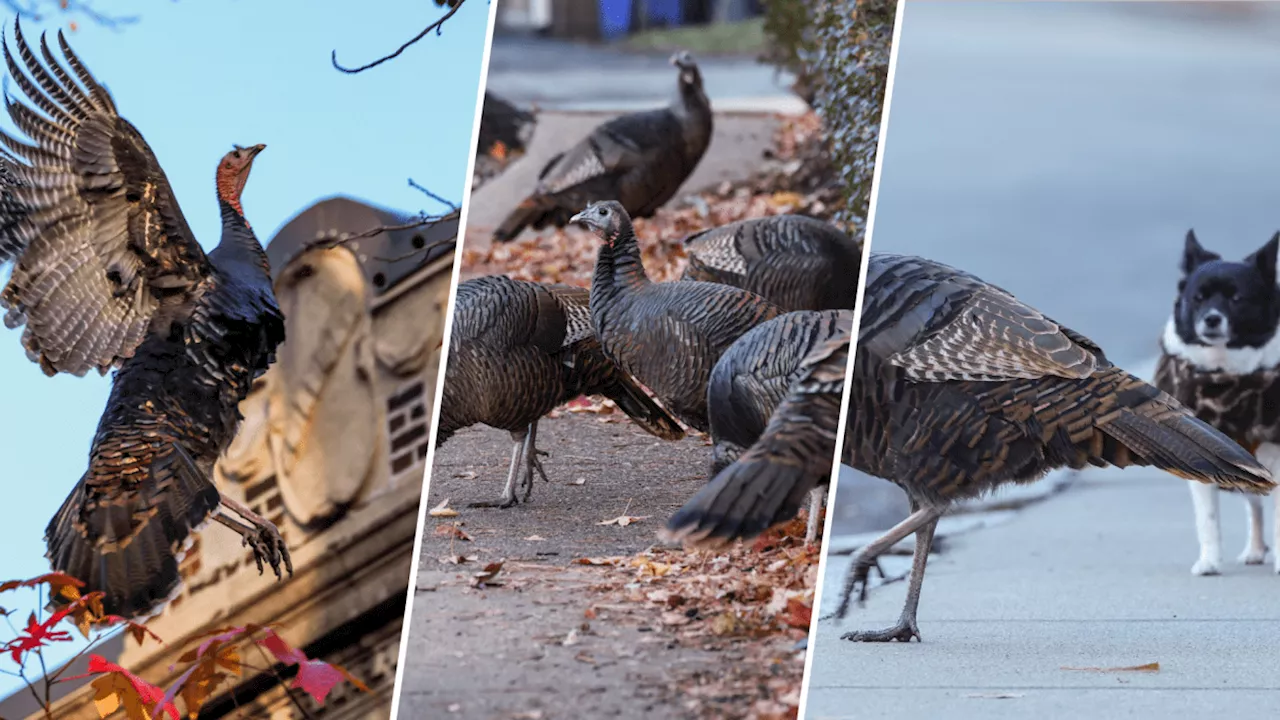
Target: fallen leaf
452, 531
994, 695
535, 538
598, 561
579, 481
624, 520
571, 638
1148, 668
485, 576
798, 615
443, 510
724, 624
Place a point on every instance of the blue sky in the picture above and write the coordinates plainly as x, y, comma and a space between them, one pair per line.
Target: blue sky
196, 76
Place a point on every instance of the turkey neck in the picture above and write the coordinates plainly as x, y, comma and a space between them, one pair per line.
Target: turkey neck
238, 244
618, 268
693, 109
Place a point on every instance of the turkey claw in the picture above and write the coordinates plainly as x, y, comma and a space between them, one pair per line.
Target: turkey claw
269, 548
904, 631
859, 579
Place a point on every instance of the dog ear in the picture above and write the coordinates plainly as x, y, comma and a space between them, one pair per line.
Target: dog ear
1193, 256
1265, 258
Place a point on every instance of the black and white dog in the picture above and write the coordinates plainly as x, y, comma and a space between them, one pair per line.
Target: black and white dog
1222, 359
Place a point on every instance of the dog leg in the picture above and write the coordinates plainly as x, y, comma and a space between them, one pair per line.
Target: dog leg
1269, 455
1204, 497
1255, 548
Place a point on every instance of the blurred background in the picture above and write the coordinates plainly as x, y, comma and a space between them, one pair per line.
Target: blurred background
335, 434
1062, 151
566, 66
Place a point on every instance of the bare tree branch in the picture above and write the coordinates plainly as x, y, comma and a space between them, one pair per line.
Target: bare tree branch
437, 26
34, 10
447, 203
422, 220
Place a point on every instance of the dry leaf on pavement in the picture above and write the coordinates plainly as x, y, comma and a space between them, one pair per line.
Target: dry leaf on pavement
443, 510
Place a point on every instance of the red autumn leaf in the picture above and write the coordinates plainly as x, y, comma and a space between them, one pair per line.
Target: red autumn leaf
316, 677
118, 687
139, 632
55, 580
37, 634
284, 653
798, 614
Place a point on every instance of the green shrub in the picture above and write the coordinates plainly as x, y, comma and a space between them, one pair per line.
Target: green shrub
839, 52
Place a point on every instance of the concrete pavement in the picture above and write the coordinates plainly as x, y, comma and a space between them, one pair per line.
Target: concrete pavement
1096, 577
577, 76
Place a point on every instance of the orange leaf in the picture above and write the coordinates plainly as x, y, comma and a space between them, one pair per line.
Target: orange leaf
118, 688
799, 614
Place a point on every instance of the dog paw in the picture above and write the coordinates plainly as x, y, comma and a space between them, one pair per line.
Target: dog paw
1253, 556
1206, 566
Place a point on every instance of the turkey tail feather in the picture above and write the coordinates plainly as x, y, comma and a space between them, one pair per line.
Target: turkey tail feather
643, 410
528, 212
744, 500
1169, 437
136, 567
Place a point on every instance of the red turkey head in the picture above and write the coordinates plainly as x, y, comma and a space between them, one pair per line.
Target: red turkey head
233, 173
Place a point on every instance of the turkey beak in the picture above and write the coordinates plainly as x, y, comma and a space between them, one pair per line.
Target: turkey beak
580, 219
253, 151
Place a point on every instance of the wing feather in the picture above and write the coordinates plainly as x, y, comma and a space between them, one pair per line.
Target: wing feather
950, 325
97, 239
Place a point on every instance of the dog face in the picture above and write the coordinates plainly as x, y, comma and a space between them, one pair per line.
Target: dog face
1226, 304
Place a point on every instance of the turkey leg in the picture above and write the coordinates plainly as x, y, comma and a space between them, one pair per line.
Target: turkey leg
816, 498
865, 559
260, 535
532, 463
508, 491
906, 627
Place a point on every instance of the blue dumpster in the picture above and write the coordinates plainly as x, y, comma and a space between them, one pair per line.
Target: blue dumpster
615, 18
664, 12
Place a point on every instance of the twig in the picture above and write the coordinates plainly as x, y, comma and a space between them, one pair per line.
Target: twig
67, 665
423, 219
109, 21
31, 11
280, 680
416, 251
448, 203
437, 26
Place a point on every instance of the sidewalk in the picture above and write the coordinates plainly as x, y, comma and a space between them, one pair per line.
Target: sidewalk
578, 76
1099, 577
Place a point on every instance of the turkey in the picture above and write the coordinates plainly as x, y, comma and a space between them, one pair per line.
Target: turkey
777, 391
107, 274
505, 131
520, 349
639, 159
793, 261
959, 388
667, 335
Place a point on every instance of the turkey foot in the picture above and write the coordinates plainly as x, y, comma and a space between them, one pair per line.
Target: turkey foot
524, 463
922, 522
858, 581
904, 631
259, 535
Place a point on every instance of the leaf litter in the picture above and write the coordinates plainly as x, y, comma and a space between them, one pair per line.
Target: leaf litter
753, 602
